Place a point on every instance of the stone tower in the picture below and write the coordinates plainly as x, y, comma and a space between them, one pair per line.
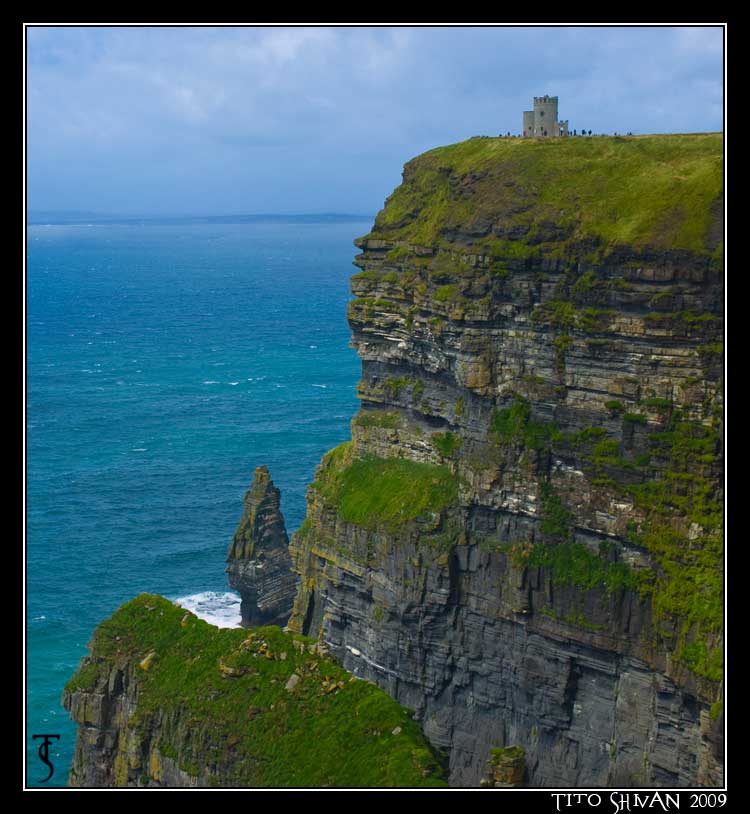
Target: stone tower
542, 120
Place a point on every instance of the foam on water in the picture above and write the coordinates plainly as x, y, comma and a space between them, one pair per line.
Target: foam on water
220, 609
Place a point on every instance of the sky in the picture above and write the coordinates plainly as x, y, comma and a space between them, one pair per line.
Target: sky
293, 120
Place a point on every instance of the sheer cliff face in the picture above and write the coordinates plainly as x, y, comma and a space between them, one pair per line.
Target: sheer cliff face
522, 541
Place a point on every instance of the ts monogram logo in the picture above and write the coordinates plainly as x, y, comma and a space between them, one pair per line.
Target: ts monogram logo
44, 753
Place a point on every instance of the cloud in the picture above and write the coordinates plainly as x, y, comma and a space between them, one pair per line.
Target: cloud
309, 110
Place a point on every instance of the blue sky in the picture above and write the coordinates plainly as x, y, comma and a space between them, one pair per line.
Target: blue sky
213, 120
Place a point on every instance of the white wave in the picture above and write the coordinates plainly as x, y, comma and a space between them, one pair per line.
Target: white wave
210, 381
324, 386
139, 449
220, 609
233, 383
313, 346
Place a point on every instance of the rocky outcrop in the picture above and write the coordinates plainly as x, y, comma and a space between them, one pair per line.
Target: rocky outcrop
505, 769
165, 700
523, 540
259, 567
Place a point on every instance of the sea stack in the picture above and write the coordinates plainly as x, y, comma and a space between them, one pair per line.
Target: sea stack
259, 566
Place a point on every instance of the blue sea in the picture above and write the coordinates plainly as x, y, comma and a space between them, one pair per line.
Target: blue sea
165, 361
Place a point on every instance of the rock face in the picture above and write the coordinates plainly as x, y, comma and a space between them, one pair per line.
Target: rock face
505, 769
167, 700
259, 566
523, 540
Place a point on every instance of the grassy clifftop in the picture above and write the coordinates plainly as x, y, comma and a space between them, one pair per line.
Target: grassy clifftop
237, 708
508, 196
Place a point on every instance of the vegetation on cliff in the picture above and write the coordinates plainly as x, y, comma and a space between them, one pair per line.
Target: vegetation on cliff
542, 319
225, 705
560, 227
372, 492
540, 445
676, 485
515, 197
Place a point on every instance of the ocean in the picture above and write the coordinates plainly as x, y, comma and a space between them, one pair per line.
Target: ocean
164, 362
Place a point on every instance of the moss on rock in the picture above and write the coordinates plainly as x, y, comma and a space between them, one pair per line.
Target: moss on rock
220, 705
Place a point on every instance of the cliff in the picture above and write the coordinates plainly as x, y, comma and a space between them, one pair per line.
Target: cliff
259, 567
523, 539
165, 700
522, 542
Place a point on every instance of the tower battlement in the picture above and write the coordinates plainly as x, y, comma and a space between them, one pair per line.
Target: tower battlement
542, 121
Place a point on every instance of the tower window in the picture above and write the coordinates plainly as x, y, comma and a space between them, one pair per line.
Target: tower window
541, 113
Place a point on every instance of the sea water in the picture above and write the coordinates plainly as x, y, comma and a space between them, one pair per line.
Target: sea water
164, 362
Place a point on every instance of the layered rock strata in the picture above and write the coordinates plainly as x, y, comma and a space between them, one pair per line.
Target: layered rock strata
259, 566
523, 540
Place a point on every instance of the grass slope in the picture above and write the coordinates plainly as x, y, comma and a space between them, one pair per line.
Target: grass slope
220, 698
642, 191
371, 491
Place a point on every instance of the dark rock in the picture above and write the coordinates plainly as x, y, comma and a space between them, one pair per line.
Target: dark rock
259, 563
490, 643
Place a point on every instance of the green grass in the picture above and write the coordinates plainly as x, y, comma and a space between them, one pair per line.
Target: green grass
515, 425
634, 418
573, 564
655, 191
447, 293
397, 253
557, 519
377, 418
247, 723
690, 589
675, 484
372, 492
563, 315
446, 443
